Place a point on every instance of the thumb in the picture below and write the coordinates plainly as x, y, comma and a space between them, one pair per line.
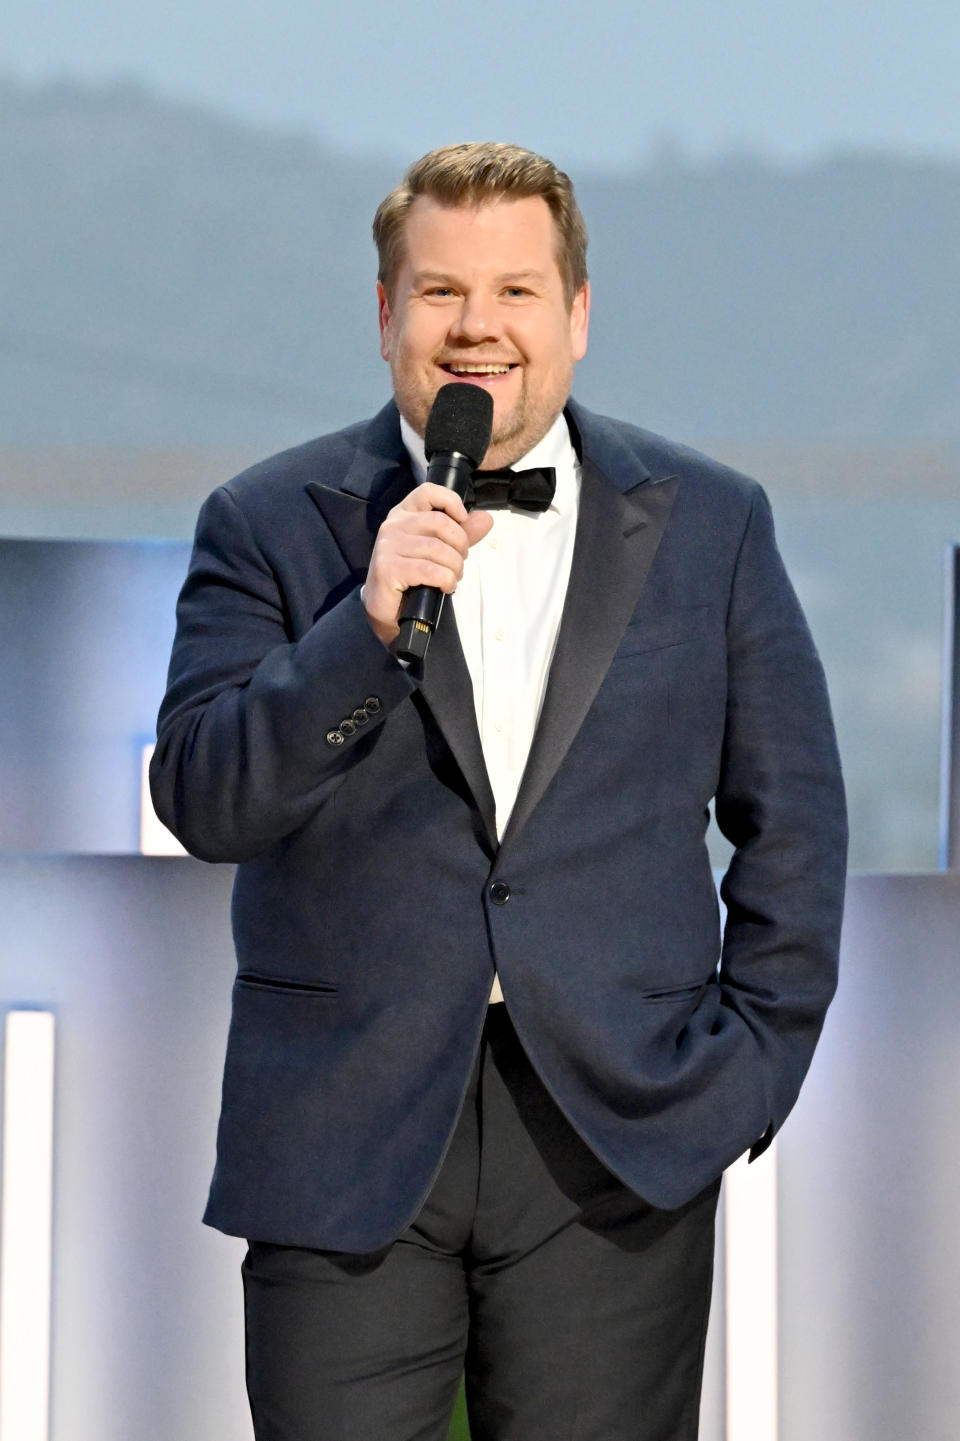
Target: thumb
477, 524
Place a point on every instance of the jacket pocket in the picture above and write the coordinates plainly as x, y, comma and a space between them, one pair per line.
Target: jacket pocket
658, 632
676, 993
280, 985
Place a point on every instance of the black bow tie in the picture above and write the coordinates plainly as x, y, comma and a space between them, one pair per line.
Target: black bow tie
526, 489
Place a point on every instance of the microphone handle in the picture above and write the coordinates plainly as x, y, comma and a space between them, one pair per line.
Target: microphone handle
422, 604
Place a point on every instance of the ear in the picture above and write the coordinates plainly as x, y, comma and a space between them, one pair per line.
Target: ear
383, 313
580, 321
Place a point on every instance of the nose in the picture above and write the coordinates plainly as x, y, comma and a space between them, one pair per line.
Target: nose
475, 320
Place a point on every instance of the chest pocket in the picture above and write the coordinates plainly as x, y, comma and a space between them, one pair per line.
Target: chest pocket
660, 632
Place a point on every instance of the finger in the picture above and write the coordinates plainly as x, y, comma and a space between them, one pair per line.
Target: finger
423, 560
433, 548
401, 530
477, 524
435, 497
419, 571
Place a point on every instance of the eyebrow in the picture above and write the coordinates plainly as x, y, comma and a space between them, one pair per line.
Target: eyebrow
446, 278
438, 275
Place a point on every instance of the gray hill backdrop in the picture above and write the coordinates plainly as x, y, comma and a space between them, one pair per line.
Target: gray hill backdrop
169, 277
180, 293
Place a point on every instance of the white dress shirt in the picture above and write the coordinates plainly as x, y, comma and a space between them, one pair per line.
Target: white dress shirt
508, 607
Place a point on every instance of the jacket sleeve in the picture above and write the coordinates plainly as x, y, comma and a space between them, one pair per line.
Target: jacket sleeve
780, 801
243, 756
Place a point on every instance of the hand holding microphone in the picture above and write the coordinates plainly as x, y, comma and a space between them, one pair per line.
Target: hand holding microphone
421, 546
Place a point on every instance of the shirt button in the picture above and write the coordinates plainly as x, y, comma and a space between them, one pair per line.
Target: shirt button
499, 634
334, 738
372, 704
499, 893
494, 543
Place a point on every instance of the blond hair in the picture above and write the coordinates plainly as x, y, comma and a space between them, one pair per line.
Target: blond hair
476, 173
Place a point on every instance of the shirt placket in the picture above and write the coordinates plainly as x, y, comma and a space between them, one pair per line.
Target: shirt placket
498, 633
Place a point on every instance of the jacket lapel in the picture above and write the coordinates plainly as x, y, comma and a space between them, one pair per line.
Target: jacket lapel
622, 516
618, 533
376, 479
446, 687
376, 476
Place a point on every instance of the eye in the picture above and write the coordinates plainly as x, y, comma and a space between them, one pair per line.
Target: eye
516, 291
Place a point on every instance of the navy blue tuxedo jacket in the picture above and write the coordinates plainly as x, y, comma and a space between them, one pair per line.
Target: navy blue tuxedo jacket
372, 901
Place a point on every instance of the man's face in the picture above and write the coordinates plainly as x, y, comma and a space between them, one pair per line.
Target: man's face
479, 299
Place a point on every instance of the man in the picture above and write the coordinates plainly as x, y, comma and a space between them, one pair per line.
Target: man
430, 1176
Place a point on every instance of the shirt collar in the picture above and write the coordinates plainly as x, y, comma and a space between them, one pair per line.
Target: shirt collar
553, 449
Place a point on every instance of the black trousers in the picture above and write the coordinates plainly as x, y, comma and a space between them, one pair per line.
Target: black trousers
576, 1311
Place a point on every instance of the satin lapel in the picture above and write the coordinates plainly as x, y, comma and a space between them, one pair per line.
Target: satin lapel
376, 475
349, 520
446, 687
353, 519
617, 538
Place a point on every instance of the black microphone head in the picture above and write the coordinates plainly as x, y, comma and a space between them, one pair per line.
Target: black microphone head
461, 420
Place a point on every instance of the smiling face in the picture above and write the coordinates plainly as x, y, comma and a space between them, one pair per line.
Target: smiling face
479, 299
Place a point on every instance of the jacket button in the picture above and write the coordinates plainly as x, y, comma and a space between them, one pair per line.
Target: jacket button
372, 705
347, 726
499, 893
334, 738
360, 716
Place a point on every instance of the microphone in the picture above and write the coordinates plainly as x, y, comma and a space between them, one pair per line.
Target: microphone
457, 438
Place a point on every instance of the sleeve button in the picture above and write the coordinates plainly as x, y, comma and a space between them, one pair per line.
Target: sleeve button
334, 738
347, 726
360, 716
372, 705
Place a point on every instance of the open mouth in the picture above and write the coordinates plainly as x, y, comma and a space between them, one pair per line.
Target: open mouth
477, 370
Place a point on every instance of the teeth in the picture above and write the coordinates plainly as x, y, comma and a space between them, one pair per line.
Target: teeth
479, 369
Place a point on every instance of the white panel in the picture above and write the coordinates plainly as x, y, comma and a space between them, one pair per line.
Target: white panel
26, 1220
751, 1298
155, 838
